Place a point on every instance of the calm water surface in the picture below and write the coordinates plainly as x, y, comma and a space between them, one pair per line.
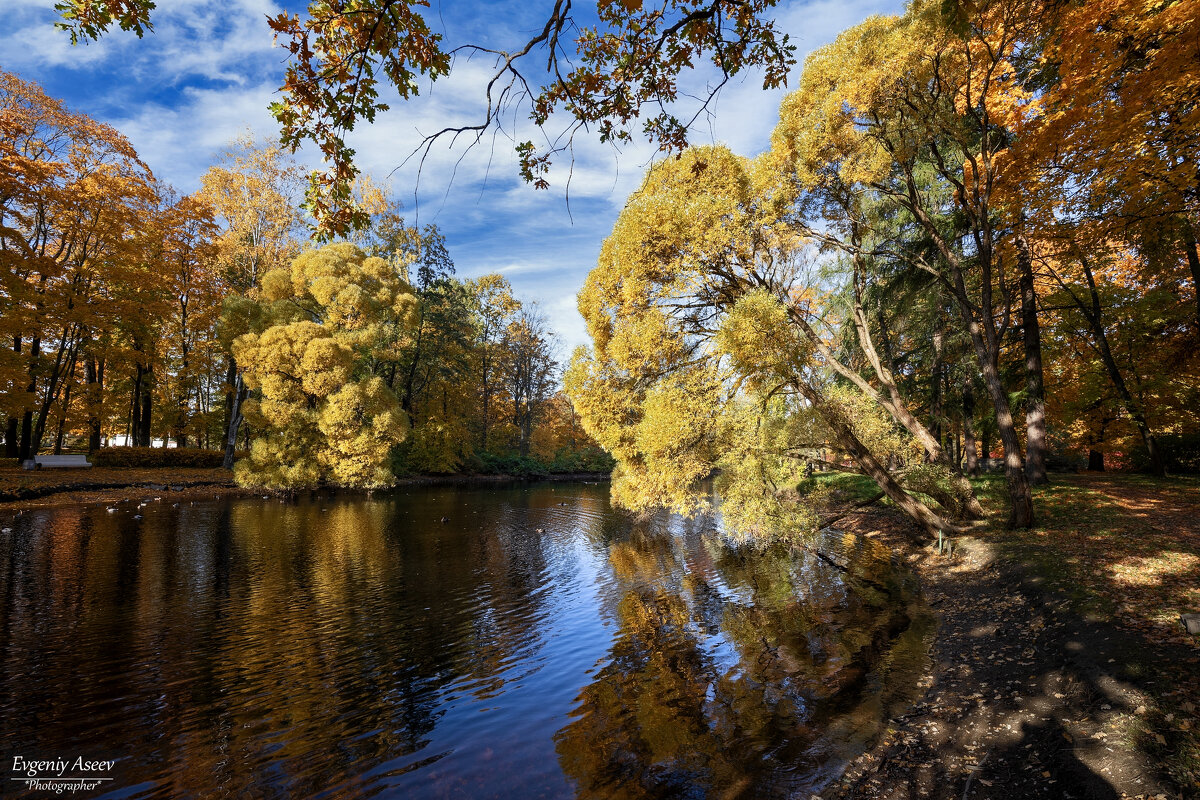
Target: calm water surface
539, 644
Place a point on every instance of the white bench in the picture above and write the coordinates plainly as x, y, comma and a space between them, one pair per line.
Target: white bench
57, 462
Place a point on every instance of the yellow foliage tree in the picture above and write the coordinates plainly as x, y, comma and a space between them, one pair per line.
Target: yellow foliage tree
324, 414
702, 355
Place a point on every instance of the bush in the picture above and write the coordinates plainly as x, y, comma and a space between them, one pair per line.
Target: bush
515, 465
157, 457
1180, 451
591, 459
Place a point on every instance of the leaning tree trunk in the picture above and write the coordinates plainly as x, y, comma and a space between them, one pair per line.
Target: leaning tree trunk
892, 402
1035, 393
846, 440
1133, 407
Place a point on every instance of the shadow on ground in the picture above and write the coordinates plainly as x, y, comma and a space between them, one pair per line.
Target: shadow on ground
1029, 699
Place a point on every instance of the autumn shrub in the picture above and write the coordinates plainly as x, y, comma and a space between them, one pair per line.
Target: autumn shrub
435, 447
511, 464
1181, 453
321, 414
588, 459
158, 457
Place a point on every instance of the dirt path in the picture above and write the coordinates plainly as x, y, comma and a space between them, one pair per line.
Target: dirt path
1027, 699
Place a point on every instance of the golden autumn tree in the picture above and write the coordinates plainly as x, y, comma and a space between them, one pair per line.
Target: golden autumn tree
1123, 337
325, 414
253, 191
1105, 167
74, 199
1117, 139
494, 307
529, 372
918, 111
189, 259
704, 358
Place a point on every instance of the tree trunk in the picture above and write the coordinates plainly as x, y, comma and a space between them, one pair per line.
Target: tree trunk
231, 375
11, 448
181, 411
57, 377
958, 447
94, 375
28, 448
10, 438
1035, 394
1095, 461
235, 419
147, 403
927, 519
133, 438
62, 420
892, 402
968, 403
1020, 499
1132, 406
979, 322
936, 411
1193, 258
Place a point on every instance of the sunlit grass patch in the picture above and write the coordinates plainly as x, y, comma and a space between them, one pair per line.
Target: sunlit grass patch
1120, 546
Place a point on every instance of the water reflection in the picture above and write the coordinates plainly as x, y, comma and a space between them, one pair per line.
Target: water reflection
537, 644
724, 682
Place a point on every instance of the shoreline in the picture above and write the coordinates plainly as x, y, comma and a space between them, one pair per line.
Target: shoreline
1025, 698
219, 483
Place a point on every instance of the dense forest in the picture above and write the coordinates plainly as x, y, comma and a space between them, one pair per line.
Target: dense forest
133, 314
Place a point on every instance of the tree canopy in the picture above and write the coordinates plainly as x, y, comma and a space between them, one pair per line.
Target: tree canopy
900, 244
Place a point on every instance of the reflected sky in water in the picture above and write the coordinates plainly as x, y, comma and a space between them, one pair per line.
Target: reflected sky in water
537, 644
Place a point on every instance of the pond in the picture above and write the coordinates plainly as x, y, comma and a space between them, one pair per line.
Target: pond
524, 641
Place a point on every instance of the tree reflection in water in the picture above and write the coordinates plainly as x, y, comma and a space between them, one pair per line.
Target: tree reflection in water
751, 675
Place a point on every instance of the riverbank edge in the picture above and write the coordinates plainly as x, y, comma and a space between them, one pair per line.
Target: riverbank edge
19, 501
1025, 698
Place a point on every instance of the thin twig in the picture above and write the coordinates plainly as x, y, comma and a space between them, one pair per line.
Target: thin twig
976, 769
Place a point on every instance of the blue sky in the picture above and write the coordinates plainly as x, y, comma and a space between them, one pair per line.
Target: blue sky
208, 71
